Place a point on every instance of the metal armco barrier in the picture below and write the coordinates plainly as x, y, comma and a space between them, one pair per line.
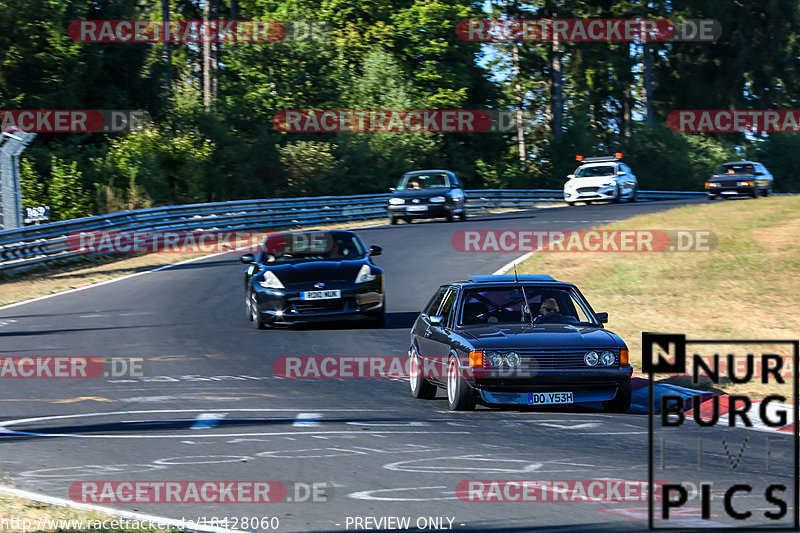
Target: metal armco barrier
25, 248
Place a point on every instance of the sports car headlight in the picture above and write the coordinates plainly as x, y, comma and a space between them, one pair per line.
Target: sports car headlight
271, 281
438, 199
495, 359
365, 274
745, 183
712, 184
607, 358
396, 201
591, 358
512, 359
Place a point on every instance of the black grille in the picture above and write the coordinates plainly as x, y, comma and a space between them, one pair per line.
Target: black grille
588, 189
555, 359
321, 306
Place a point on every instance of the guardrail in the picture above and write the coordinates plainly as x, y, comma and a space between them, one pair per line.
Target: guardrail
25, 248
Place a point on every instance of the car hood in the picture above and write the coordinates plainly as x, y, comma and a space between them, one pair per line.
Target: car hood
596, 181
408, 194
545, 336
315, 271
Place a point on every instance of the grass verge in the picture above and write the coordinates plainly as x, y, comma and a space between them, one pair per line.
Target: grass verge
746, 288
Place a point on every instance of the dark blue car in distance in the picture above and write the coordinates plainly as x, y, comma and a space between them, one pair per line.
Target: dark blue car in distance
517, 340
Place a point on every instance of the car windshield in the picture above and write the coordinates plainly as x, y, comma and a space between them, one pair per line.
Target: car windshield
436, 180
507, 305
316, 246
594, 171
737, 168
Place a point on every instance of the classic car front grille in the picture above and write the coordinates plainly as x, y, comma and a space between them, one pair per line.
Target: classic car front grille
557, 359
588, 189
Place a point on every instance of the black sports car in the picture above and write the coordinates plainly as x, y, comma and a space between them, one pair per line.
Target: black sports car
428, 194
528, 340
313, 276
739, 178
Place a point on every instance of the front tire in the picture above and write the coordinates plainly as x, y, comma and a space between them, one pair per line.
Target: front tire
622, 401
570, 204
421, 388
617, 197
712, 197
393, 220
460, 396
463, 215
634, 195
255, 317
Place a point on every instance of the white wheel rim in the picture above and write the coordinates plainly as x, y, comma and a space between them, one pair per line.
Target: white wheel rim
254, 310
412, 374
452, 376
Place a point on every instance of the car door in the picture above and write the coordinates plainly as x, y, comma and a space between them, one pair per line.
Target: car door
439, 337
422, 325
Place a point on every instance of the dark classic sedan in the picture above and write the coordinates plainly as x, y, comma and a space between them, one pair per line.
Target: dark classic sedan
428, 194
313, 276
517, 340
739, 178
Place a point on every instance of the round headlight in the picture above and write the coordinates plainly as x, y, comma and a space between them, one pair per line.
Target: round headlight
495, 359
512, 359
396, 201
591, 358
607, 358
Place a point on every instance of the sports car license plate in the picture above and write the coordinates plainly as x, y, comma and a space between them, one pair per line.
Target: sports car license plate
548, 398
417, 208
321, 295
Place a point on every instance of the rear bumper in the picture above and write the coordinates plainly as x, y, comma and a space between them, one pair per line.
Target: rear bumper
730, 191
431, 211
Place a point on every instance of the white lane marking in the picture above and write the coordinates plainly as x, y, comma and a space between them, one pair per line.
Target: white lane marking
369, 494
92, 316
307, 420
202, 460
208, 420
129, 515
503, 269
6, 322
469, 464
567, 426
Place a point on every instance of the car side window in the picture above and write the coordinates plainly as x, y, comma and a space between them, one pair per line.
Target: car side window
447, 307
435, 302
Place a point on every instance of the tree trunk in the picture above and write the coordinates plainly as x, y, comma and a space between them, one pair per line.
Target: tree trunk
520, 101
647, 80
210, 55
167, 48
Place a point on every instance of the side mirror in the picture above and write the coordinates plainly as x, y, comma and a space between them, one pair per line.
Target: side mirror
570, 176
759, 173
391, 189
248, 259
436, 320
621, 173
375, 250
602, 317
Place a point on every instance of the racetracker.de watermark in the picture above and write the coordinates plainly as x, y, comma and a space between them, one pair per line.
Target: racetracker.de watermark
587, 30
584, 241
393, 121
553, 490
734, 120
71, 367
194, 242
197, 31
73, 120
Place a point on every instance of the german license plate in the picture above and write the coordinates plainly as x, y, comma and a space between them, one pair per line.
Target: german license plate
417, 208
321, 295
549, 398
